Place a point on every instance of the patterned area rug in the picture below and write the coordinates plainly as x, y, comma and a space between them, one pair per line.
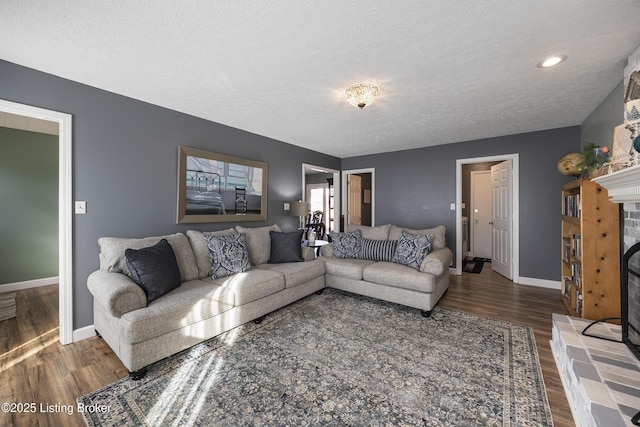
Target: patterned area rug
341, 359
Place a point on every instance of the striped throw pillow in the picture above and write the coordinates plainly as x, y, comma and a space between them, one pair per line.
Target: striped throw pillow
378, 250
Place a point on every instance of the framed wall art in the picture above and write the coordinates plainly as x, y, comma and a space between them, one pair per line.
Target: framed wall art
219, 188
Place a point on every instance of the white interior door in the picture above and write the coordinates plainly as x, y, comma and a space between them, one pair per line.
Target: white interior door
355, 199
481, 214
502, 221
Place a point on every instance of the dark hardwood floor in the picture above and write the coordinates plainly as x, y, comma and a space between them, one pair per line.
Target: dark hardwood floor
35, 368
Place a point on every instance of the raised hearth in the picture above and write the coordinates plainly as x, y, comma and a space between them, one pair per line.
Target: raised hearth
601, 378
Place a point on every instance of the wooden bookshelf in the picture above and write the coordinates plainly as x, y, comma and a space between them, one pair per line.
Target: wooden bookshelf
590, 251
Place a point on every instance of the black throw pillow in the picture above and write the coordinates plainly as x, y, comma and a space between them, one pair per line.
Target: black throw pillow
286, 247
154, 269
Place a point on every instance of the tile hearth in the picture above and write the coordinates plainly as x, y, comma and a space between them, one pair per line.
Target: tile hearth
601, 378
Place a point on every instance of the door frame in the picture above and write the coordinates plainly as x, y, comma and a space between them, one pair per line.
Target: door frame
345, 196
65, 214
515, 208
336, 188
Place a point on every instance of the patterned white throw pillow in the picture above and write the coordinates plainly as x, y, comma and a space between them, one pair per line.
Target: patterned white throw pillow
228, 254
346, 245
412, 249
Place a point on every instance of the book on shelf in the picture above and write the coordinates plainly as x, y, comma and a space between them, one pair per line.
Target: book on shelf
577, 246
579, 303
576, 274
566, 287
571, 205
566, 251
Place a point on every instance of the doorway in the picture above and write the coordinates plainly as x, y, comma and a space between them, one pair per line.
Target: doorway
359, 197
320, 185
480, 215
508, 207
65, 263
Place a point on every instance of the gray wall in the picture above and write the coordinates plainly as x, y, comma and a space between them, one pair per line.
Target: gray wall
598, 127
415, 187
125, 165
29, 206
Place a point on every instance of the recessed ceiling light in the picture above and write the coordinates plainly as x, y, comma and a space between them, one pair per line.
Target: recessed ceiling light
551, 61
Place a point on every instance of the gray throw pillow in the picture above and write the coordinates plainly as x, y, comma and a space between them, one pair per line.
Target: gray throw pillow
412, 249
346, 245
154, 269
286, 247
228, 254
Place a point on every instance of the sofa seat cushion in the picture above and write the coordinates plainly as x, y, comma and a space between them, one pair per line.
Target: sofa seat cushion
346, 267
191, 302
252, 285
296, 273
399, 276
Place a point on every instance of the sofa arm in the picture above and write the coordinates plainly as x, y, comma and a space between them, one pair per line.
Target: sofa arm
308, 254
436, 262
116, 292
326, 250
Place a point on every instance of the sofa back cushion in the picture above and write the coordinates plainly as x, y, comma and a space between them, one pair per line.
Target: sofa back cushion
438, 233
258, 242
112, 253
201, 251
380, 232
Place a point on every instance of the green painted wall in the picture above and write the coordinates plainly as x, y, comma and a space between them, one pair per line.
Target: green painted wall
28, 205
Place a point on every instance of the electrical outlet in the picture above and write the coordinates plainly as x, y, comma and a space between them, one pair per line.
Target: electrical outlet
81, 207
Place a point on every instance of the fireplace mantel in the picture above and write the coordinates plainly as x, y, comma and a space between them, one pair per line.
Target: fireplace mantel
623, 186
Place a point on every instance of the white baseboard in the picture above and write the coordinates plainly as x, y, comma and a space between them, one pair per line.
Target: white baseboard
543, 283
18, 286
84, 333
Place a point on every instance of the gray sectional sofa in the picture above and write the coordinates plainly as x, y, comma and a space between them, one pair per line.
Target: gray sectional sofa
374, 277
142, 331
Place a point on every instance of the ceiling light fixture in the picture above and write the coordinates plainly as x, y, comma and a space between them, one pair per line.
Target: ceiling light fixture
551, 61
362, 94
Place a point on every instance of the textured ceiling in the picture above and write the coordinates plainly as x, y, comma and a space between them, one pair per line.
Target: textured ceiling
448, 71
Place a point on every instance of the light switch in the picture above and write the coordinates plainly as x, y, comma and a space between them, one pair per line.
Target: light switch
287, 206
81, 207
453, 206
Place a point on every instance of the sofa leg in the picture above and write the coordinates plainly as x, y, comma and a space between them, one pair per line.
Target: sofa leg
259, 320
425, 313
97, 333
320, 291
138, 375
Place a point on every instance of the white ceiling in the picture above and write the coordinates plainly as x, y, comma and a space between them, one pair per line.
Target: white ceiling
448, 71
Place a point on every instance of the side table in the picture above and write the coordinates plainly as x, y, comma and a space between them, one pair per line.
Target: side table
316, 245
